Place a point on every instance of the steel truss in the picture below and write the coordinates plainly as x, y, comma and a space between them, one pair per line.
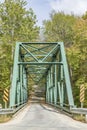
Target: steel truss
46, 64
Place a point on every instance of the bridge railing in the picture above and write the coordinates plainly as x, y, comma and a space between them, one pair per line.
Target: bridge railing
11, 111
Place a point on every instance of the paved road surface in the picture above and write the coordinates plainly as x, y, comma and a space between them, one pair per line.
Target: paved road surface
36, 117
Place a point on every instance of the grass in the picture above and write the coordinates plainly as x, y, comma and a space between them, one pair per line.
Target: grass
80, 117
4, 118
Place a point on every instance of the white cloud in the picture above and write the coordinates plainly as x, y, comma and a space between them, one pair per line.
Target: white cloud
2, 0
77, 7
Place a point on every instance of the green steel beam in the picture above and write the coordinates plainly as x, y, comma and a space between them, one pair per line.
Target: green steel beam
38, 55
39, 63
35, 72
21, 81
29, 52
52, 51
51, 83
66, 75
47, 89
18, 93
39, 49
39, 43
14, 77
17, 89
55, 89
60, 94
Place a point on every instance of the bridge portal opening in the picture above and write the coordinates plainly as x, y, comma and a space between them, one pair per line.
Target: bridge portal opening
43, 64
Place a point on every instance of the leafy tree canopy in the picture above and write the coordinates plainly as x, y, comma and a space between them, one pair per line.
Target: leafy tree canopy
16, 24
59, 27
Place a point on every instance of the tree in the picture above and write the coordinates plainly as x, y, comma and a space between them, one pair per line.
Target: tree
78, 51
77, 55
16, 24
5, 66
59, 28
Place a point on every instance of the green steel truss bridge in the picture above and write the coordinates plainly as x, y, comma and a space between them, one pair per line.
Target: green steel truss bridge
44, 64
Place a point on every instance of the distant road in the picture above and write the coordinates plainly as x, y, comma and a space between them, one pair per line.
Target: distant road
36, 117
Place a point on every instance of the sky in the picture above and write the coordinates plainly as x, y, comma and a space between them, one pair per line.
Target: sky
42, 8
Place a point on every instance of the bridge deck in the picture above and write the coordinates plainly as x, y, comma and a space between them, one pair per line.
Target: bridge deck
37, 117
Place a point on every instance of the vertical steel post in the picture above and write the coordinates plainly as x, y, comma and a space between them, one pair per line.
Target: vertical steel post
50, 96
66, 75
60, 94
24, 85
18, 93
13, 90
21, 82
47, 91
55, 88
62, 84
23, 90
51, 85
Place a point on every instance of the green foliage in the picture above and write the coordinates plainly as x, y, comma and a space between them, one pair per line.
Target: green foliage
77, 55
5, 65
59, 28
16, 24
